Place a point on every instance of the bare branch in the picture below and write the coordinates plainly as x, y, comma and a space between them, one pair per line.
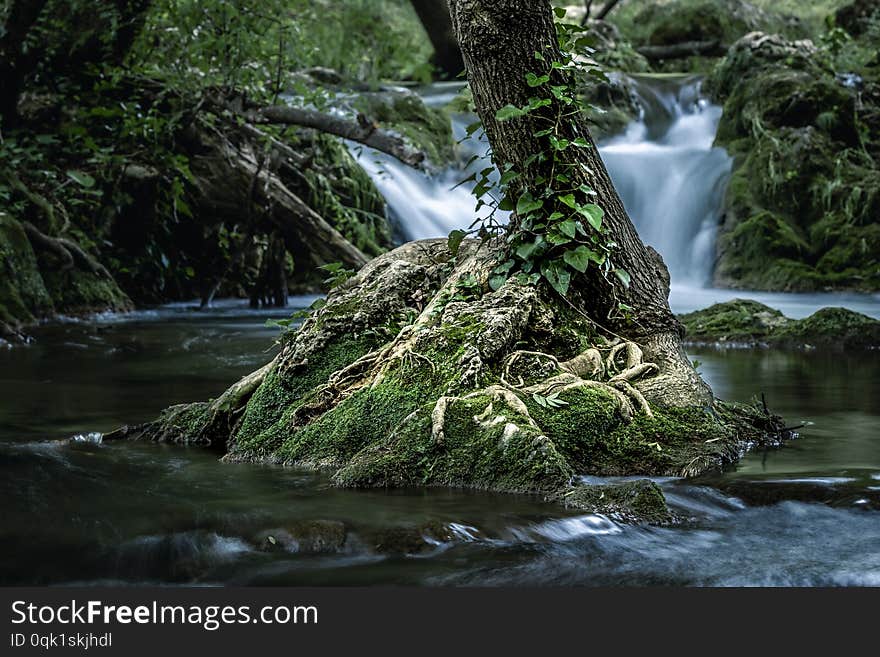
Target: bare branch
363, 130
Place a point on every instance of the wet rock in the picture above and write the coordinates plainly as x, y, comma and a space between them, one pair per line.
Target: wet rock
639, 501
410, 539
803, 198
404, 112
304, 537
721, 21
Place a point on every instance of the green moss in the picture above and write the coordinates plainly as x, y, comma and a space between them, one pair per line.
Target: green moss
427, 128
268, 412
747, 323
23, 295
339, 434
804, 196
664, 22
469, 455
77, 292
580, 429
343, 194
739, 320
635, 501
838, 327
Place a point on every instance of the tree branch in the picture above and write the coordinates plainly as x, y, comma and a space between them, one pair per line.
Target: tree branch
606, 9
684, 49
363, 130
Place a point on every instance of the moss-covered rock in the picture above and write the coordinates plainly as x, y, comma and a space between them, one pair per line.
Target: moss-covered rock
743, 323
613, 51
804, 195
23, 294
672, 22
613, 104
416, 373
304, 537
345, 195
635, 501
404, 112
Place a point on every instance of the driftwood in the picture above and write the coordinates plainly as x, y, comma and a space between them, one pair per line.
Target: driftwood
684, 49
362, 130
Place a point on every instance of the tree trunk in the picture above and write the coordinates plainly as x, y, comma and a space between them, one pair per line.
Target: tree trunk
499, 40
434, 15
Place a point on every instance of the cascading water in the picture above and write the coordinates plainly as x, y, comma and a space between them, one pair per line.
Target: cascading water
670, 177
668, 174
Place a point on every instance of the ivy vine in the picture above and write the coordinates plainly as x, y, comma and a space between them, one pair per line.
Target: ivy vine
559, 228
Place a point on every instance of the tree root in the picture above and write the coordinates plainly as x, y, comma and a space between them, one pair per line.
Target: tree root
67, 250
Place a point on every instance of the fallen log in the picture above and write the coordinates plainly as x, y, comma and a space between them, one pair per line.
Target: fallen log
683, 49
229, 177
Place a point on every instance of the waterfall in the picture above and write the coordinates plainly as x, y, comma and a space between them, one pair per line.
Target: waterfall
668, 174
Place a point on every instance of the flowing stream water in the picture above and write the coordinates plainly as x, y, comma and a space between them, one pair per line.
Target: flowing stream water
78, 510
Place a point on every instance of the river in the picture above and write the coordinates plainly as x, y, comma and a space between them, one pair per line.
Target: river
78, 510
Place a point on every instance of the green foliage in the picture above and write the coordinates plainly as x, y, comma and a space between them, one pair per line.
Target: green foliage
557, 231
260, 46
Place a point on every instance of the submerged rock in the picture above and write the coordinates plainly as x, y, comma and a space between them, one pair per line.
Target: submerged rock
410, 539
304, 537
744, 323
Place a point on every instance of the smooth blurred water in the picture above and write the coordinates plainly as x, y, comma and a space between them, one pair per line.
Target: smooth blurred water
128, 513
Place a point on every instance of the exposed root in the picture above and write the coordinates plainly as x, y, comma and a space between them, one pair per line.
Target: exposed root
635, 372
515, 357
487, 417
587, 365
641, 402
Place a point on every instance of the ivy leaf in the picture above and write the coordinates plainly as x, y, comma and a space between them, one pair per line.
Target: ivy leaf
536, 80
525, 251
593, 213
579, 258
497, 281
558, 277
623, 275
527, 203
509, 112
569, 200
454, 241
81, 178
568, 228
508, 177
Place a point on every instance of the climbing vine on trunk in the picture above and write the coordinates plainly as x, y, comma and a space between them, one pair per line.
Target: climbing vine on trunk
557, 228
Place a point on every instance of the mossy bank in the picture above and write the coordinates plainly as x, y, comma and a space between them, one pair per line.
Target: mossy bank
743, 323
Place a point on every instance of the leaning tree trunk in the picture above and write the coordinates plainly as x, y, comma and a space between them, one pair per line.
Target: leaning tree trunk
499, 40
434, 16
